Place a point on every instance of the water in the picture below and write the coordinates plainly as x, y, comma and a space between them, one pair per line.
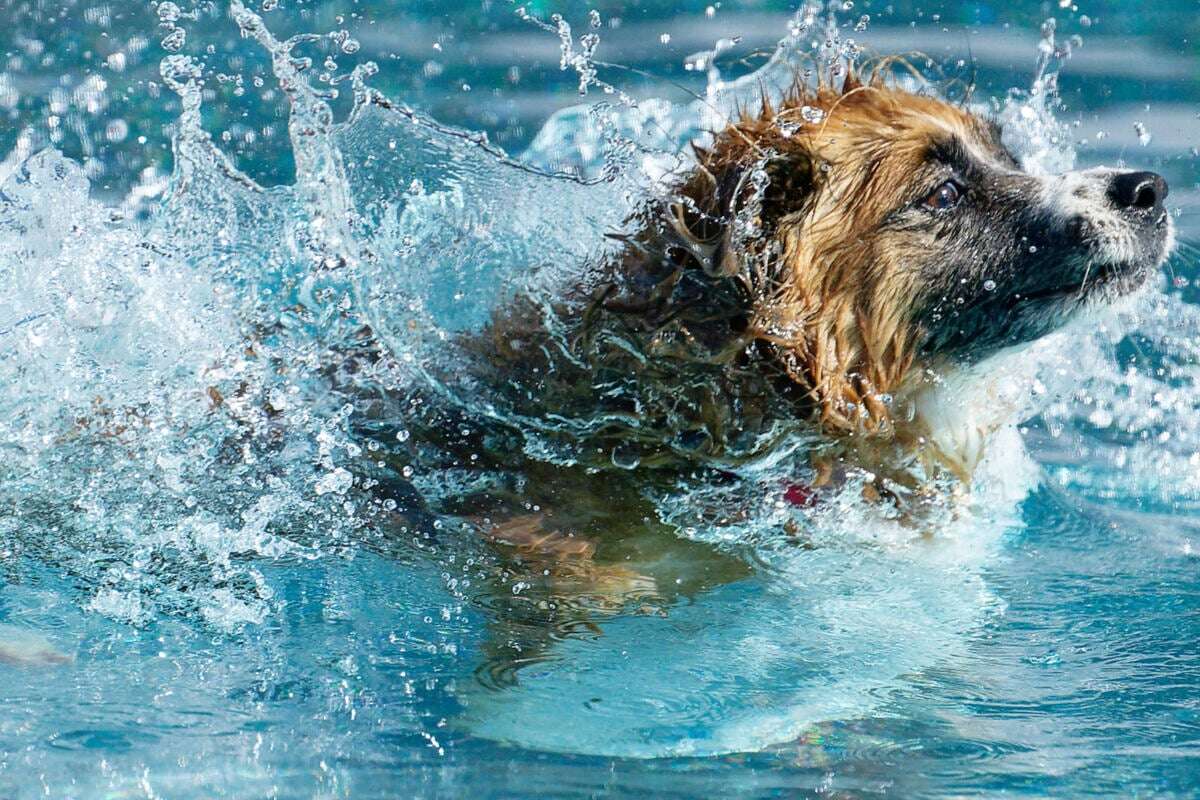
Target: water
232, 569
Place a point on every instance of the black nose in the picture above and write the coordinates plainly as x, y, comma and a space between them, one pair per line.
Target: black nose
1138, 191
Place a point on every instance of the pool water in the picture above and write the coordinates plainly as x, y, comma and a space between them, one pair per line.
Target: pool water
234, 283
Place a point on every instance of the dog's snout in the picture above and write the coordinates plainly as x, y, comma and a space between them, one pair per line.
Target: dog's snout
1138, 191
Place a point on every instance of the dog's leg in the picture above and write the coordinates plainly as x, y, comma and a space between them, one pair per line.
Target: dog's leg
567, 562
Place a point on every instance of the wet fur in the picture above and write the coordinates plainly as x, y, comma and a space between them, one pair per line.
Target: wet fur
787, 291
789, 283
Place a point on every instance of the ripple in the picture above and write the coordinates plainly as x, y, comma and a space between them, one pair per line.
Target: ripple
105, 739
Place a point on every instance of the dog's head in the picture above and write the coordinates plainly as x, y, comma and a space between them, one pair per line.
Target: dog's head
883, 231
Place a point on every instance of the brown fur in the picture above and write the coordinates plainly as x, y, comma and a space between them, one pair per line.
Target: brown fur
777, 291
760, 290
834, 300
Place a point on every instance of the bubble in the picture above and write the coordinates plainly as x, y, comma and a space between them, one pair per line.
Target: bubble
116, 131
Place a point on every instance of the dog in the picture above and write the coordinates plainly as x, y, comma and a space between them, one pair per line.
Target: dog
851, 277
840, 272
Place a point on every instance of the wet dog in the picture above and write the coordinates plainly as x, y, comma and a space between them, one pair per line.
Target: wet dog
846, 264
842, 269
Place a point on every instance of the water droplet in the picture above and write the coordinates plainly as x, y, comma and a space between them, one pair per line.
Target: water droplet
174, 41
278, 399
1143, 134
787, 129
336, 482
169, 12
812, 114
116, 131
625, 457
989, 286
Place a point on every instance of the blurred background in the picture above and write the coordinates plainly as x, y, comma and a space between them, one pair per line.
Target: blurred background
84, 75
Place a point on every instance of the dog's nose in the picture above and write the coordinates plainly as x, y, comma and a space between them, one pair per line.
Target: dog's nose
1138, 191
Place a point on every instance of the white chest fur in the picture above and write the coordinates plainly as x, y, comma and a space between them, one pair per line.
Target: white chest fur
968, 416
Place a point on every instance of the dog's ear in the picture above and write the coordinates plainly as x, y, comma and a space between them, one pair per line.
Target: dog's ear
758, 195
728, 192
791, 180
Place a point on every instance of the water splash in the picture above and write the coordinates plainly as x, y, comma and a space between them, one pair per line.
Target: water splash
184, 397
1029, 124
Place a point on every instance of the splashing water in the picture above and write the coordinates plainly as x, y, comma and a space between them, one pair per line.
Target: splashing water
196, 456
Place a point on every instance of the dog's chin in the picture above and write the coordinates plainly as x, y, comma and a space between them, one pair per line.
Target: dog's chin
1109, 287
1108, 275
1093, 287
1101, 283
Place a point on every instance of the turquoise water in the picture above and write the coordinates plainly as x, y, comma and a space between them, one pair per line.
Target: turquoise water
230, 571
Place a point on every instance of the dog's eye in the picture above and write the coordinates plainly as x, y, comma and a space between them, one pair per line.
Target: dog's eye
948, 195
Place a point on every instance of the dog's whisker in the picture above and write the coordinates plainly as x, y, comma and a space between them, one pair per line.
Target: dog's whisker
1087, 271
